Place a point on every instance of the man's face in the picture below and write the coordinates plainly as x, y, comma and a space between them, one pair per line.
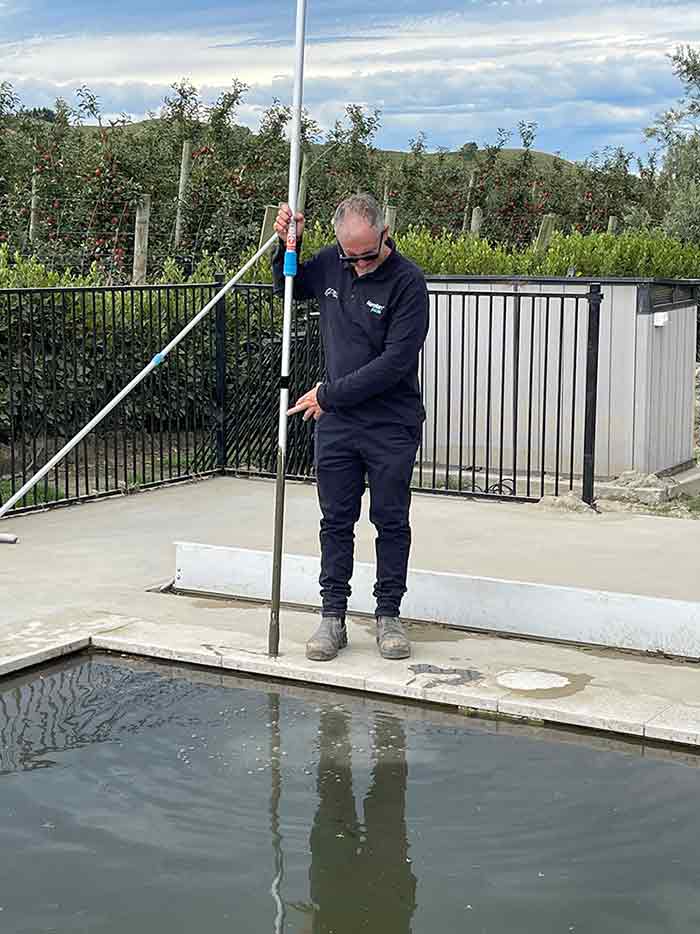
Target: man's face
357, 237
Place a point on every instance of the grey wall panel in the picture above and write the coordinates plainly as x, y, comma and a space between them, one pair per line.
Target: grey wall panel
642, 394
620, 315
671, 390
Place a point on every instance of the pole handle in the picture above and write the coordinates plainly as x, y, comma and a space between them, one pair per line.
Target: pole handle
290, 256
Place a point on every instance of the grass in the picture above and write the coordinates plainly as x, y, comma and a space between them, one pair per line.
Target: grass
43, 493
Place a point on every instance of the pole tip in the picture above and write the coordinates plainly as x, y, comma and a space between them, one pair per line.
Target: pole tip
7, 539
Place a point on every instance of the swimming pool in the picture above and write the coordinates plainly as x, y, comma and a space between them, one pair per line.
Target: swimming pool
136, 796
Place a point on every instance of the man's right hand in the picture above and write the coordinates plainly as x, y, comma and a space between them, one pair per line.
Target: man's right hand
284, 215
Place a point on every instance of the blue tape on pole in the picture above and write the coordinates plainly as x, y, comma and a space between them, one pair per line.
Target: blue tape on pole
158, 359
290, 263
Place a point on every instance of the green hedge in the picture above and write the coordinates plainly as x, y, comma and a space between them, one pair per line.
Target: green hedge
69, 353
646, 253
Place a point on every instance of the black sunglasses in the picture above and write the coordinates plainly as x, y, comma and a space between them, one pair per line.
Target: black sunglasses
361, 257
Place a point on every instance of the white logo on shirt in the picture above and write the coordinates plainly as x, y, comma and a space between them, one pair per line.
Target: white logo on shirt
375, 308
331, 293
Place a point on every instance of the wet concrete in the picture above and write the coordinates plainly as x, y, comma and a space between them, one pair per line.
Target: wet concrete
453, 676
574, 684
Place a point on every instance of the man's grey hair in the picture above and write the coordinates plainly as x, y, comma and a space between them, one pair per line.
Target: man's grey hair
361, 205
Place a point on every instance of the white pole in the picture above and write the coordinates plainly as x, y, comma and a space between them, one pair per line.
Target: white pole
290, 268
156, 361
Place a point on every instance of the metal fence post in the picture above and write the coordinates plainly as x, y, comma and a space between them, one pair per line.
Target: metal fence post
594, 299
516, 382
220, 376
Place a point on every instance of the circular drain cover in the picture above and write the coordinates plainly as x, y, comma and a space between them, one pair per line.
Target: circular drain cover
532, 680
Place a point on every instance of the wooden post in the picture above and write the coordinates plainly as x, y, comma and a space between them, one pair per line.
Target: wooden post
266, 231
303, 185
477, 221
385, 194
545, 234
143, 218
185, 169
468, 205
390, 218
613, 224
268, 224
34, 209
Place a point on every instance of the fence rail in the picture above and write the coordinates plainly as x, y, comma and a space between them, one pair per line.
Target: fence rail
508, 380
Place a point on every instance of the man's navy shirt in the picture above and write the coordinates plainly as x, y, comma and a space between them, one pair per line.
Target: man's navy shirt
373, 328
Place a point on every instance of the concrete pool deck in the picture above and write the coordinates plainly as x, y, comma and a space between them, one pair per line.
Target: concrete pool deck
90, 575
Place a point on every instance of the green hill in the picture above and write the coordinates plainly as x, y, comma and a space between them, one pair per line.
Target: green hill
544, 159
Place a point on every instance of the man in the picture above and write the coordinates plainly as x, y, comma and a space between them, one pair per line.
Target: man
368, 410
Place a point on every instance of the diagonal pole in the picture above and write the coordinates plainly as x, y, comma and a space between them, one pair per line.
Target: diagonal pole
290, 269
156, 361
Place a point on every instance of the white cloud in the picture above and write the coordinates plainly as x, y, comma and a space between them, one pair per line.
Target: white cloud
458, 76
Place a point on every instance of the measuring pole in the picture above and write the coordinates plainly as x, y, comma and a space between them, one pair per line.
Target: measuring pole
290, 270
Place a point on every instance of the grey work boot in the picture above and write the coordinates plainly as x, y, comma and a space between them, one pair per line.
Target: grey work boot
330, 637
391, 638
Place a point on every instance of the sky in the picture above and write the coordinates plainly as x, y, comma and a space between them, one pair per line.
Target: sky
589, 74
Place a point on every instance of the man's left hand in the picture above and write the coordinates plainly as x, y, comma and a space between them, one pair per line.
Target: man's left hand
308, 404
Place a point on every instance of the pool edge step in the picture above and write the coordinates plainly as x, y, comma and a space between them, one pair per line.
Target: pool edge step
658, 625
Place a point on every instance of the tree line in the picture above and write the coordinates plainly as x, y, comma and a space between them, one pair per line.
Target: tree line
70, 180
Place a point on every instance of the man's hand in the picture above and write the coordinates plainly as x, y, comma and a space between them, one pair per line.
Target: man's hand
308, 404
284, 215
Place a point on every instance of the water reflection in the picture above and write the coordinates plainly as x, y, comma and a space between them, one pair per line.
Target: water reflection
273, 702
88, 703
361, 875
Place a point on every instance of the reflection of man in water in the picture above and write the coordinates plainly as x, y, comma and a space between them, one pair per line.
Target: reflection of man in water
361, 879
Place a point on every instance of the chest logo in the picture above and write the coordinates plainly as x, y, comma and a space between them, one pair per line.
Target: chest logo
375, 308
331, 293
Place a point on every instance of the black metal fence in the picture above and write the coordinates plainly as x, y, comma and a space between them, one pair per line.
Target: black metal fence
509, 384
254, 355
64, 353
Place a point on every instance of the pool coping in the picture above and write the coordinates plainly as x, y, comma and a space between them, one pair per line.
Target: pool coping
573, 615
87, 578
642, 718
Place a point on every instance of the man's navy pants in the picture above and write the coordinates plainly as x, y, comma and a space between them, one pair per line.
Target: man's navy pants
347, 454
